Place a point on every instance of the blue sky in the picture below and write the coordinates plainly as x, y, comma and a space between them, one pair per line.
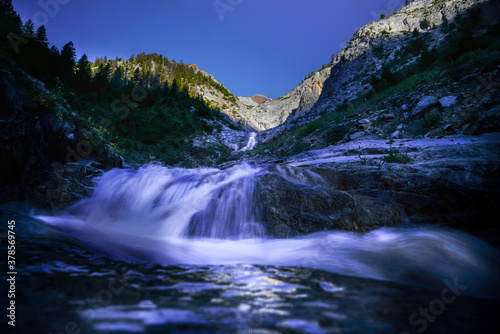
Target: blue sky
251, 46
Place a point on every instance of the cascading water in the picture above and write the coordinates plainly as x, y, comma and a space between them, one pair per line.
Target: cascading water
207, 217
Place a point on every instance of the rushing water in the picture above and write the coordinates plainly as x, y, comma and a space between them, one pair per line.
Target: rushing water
204, 222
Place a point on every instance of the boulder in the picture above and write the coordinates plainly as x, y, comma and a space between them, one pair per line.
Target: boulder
448, 101
424, 104
356, 135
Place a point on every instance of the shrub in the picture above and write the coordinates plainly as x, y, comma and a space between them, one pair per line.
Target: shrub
336, 133
310, 128
418, 127
397, 157
432, 118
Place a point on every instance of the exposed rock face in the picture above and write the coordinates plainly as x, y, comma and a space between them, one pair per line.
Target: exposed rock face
342, 82
36, 141
272, 113
259, 99
357, 60
335, 188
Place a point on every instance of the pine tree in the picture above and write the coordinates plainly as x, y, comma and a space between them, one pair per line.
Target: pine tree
10, 27
83, 74
28, 29
68, 61
41, 36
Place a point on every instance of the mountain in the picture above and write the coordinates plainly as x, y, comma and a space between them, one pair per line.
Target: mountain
390, 41
257, 112
427, 70
272, 113
394, 41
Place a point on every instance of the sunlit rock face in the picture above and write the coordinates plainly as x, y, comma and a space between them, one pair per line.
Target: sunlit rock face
262, 114
356, 62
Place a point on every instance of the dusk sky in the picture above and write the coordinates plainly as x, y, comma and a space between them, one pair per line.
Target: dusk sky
251, 46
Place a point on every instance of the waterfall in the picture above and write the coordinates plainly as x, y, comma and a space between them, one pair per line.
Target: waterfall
208, 216
252, 141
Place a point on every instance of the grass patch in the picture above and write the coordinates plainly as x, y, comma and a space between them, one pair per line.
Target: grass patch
310, 127
397, 157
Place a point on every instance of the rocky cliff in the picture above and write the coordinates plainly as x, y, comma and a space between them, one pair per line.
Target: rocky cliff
45, 156
345, 79
378, 43
272, 113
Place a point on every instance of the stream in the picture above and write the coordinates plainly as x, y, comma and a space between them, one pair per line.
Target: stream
173, 250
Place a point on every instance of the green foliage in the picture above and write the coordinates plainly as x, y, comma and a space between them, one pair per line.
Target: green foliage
310, 128
336, 133
384, 79
142, 109
362, 156
379, 51
397, 157
418, 127
432, 118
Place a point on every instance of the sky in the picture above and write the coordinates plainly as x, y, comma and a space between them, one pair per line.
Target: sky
251, 46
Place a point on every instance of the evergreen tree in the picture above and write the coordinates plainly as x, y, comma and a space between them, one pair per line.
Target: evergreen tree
117, 79
10, 27
28, 29
68, 61
41, 36
83, 74
101, 78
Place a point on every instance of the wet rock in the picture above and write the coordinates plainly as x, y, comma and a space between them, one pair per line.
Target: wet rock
291, 209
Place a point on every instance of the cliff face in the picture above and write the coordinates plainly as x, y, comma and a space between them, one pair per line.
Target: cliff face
358, 61
273, 113
346, 76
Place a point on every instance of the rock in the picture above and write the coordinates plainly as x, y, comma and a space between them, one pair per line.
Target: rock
356, 135
424, 104
34, 140
395, 135
448, 101
266, 113
364, 124
455, 126
388, 116
470, 129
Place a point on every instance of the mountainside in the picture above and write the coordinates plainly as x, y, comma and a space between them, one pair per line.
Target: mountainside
393, 39
429, 69
258, 111
273, 113
372, 46
154, 70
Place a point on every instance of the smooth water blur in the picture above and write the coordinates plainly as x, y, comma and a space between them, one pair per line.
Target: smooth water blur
175, 216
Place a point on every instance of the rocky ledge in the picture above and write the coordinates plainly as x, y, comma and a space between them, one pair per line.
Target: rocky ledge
359, 186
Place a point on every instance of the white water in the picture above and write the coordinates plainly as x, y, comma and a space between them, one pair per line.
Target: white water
206, 216
252, 141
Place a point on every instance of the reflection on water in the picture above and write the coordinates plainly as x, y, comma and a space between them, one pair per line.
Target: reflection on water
174, 216
182, 251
